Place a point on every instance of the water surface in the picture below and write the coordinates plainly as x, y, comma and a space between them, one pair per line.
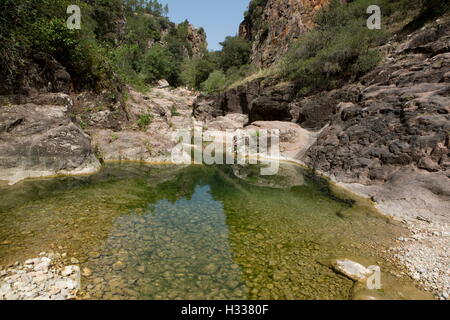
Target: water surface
197, 232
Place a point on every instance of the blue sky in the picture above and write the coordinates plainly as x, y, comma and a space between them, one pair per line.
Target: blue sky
219, 18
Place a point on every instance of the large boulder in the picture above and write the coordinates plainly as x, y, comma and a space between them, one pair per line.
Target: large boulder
352, 269
132, 145
294, 140
39, 140
231, 121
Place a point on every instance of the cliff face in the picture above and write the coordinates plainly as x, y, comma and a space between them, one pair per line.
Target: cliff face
272, 25
396, 117
197, 40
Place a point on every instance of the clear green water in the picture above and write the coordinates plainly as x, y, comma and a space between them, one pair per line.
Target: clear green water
166, 232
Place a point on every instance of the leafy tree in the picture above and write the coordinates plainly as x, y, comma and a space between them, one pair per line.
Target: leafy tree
158, 63
216, 81
195, 71
235, 52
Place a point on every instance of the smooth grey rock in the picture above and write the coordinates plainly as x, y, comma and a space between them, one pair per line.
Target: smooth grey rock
351, 269
39, 140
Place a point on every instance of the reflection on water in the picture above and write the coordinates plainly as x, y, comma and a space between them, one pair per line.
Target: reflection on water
175, 250
149, 232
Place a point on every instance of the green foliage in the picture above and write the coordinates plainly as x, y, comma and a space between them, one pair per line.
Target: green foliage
216, 81
218, 69
105, 13
145, 56
337, 50
158, 63
235, 52
235, 74
255, 14
40, 27
174, 112
147, 6
138, 55
144, 120
195, 71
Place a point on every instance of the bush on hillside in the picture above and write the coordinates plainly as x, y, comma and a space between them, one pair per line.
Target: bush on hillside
215, 82
337, 50
94, 54
223, 67
235, 52
158, 63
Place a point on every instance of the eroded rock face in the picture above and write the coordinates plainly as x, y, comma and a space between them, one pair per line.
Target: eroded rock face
197, 40
400, 118
260, 100
147, 133
231, 121
280, 22
41, 73
38, 139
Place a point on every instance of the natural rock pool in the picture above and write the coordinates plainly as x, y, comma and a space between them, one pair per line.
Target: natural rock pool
196, 232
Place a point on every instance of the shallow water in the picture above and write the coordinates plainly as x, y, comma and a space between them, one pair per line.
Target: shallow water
196, 232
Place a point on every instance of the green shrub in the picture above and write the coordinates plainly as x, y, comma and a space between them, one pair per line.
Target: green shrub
235, 52
174, 112
195, 71
158, 63
337, 50
216, 81
235, 74
218, 69
144, 120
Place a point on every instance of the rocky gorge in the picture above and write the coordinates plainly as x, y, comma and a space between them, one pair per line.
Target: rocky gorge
384, 137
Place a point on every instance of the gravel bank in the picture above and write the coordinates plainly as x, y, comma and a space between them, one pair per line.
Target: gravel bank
425, 252
42, 278
425, 256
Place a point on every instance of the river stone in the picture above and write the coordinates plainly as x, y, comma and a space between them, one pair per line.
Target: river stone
119, 265
87, 272
74, 261
94, 255
43, 265
67, 271
54, 290
61, 284
32, 261
210, 268
141, 269
352, 270
4, 289
40, 278
161, 84
71, 284
11, 296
